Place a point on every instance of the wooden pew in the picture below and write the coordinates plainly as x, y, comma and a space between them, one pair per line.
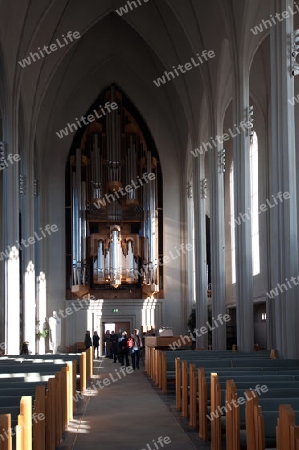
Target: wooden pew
202, 404
216, 422
52, 409
193, 396
177, 384
287, 433
5, 439
83, 372
25, 423
39, 416
185, 393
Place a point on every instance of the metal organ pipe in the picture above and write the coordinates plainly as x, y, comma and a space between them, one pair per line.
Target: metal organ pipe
130, 262
96, 165
101, 262
115, 250
131, 168
113, 143
107, 264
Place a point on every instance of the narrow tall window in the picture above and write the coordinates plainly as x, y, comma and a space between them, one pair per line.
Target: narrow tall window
232, 222
254, 184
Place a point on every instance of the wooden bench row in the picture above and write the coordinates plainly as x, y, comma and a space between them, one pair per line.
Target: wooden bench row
160, 365
194, 391
41, 423
282, 428
194, 402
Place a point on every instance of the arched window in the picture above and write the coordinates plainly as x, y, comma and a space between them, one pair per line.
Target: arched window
254, 185
232, 222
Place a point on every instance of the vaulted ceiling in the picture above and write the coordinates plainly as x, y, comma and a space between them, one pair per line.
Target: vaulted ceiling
130, 51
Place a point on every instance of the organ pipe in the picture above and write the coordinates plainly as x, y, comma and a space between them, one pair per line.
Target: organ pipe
115, 251
131, 170
101, 263
130, 262
96, 166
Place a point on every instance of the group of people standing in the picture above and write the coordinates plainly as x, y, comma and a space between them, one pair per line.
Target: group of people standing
119, 347
122, 346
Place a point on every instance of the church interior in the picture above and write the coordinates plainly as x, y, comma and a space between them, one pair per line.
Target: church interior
149, 180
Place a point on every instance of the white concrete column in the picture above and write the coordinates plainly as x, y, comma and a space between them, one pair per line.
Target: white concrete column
217, 243
11, 235
190, 288
12, 316
199, 193
283, 309
242, 199
28, 249
41, 306
29, 317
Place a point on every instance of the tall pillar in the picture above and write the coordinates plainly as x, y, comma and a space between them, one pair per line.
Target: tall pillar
28, 250
242, 199
190, 285
217, 244
283, 308
29, 325
12, 313
10, 236
41, 306
199, 194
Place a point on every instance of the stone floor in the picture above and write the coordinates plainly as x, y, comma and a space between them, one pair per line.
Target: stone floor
124, 411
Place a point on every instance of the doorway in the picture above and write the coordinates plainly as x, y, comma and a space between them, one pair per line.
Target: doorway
117, 327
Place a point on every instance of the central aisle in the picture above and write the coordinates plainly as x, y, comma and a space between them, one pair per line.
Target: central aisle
125, 415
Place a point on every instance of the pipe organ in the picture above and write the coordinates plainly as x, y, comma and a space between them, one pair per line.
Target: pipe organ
114, 203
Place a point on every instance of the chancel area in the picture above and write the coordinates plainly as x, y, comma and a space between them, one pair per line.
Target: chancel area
157, 142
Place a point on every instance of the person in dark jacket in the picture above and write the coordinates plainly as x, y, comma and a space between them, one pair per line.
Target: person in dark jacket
107, 342
25, 348
113, 346
87, 340
124, 349
95, 343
